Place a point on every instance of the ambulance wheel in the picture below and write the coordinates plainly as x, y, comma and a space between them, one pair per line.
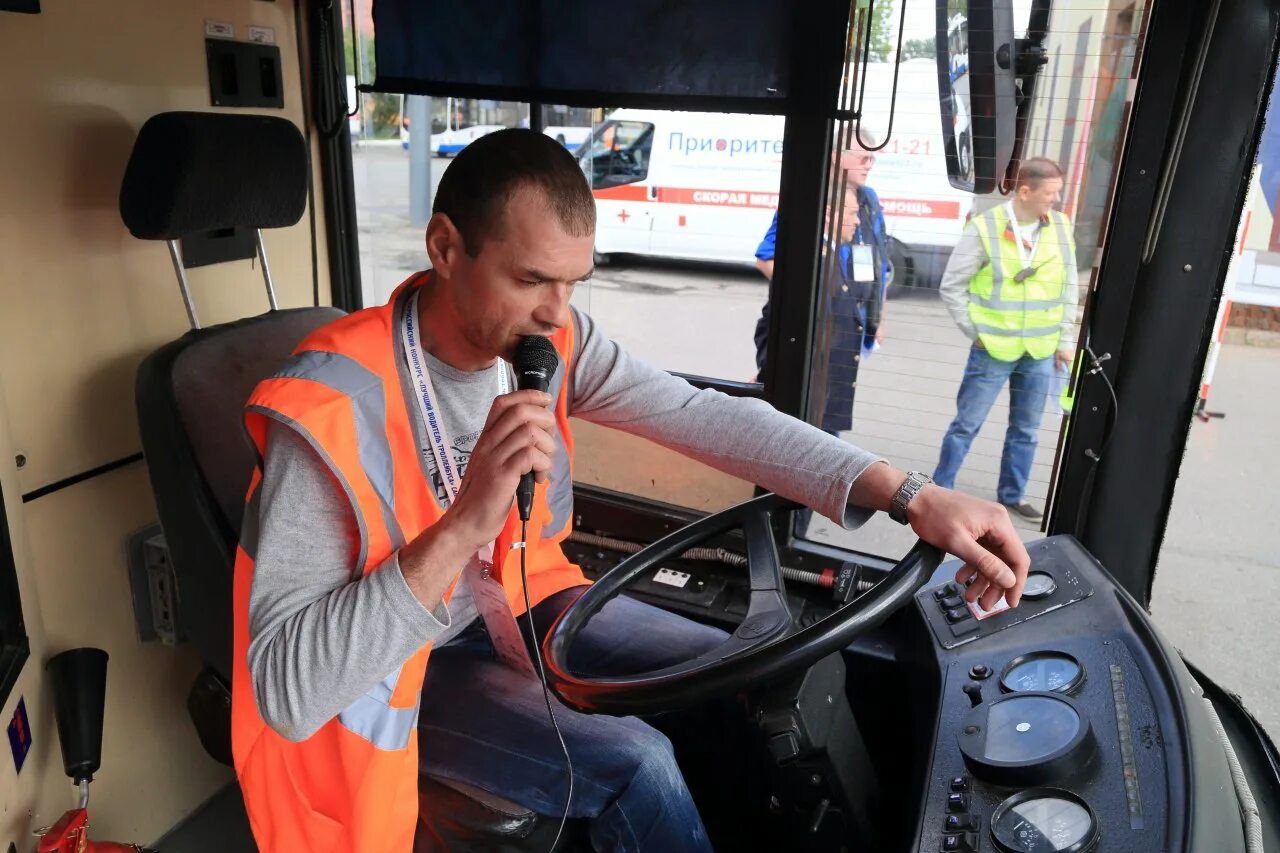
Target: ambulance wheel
905, 277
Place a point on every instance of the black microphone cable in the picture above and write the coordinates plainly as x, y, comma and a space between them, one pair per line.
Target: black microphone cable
542, 676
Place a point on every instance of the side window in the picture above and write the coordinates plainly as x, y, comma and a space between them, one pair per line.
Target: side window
618, 154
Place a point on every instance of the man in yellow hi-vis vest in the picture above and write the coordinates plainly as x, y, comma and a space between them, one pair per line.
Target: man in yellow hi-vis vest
1011, 287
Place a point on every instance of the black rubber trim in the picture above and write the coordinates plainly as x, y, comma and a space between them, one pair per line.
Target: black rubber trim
75, 479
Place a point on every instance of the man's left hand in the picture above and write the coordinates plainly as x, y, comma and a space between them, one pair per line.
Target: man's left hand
978, 532
1064, 357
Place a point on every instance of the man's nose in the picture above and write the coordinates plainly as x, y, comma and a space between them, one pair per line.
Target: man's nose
554, 310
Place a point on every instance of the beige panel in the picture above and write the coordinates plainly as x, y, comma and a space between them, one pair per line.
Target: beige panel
69, 551
81, 300
154, 770
615, 460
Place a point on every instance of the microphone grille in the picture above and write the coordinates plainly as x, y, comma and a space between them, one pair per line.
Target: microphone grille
535, 351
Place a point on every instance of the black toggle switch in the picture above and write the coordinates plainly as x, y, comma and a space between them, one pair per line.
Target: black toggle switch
945, 590
952, 601
957, 803
957, 823
957, 614
974, 692
960, 783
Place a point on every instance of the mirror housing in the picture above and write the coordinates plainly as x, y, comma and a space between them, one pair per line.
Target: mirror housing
977, 91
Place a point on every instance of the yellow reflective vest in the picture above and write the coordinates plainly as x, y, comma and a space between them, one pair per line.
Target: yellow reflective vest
1015, 317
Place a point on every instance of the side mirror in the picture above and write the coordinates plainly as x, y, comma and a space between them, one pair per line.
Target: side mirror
979, 88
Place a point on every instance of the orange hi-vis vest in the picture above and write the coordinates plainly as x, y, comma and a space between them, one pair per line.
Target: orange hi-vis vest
352, 786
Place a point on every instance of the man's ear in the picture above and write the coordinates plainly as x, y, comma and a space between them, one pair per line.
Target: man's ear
444, 244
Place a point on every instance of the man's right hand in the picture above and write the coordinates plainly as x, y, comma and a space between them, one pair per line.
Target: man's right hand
518, 437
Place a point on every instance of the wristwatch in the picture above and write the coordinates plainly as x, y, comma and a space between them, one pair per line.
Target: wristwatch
909, 489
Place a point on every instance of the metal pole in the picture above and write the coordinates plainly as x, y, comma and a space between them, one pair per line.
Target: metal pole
266, 270
176, 254
419, 110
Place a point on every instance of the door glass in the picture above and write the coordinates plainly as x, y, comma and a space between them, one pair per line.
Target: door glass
897, 367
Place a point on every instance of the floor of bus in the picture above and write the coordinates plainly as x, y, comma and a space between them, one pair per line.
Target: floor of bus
220, 825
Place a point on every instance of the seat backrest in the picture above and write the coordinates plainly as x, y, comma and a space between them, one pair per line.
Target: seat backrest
192, 172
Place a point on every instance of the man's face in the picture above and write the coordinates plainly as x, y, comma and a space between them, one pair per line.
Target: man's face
849, 216
857, 162
1042, 199
520, 282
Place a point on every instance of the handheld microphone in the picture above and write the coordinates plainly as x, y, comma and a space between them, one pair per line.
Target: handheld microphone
535, 363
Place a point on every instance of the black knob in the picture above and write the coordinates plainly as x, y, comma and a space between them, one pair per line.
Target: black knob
979, 671
974, 692
79, 679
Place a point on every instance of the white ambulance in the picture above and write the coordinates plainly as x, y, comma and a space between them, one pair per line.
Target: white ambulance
697, 186
704, 186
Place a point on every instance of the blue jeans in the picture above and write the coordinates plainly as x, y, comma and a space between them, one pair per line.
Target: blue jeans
984, 376
484, 724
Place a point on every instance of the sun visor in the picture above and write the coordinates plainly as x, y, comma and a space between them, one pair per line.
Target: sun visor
728, 53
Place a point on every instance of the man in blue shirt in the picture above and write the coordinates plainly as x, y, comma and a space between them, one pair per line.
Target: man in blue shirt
855, 284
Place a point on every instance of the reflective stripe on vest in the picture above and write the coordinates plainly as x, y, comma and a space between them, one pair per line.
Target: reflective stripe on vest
349, 377
1015, 318
374, 719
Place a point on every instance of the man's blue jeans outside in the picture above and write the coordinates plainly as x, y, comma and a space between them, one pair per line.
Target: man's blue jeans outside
484, 724
984, 376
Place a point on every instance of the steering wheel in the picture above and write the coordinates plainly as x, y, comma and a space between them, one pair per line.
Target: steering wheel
765, 645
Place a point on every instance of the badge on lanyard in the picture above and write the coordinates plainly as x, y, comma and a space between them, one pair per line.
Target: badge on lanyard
862, 263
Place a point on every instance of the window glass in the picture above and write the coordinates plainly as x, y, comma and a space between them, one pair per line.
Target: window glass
905, 362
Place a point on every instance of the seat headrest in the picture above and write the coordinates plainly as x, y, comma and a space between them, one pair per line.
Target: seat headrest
192, 172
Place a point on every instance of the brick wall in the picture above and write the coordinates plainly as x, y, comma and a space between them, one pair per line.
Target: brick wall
1262, 317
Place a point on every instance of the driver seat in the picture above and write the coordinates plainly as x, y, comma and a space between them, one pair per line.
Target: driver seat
189, 174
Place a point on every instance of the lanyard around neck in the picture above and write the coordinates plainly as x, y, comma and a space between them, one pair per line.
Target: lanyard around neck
431, 417
1025, 252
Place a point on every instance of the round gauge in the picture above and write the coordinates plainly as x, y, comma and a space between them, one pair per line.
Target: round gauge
1048, 671
1039, 585
1027, 739
1044, 820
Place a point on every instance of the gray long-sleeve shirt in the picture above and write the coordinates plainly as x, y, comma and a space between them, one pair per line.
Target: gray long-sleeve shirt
319, 638
969, 256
